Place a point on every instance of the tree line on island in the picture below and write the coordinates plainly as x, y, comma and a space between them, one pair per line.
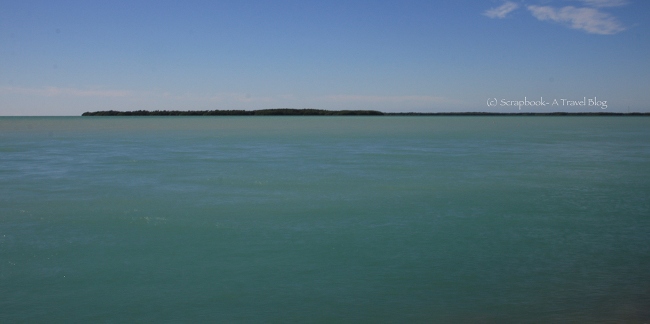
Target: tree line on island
322, 112
262, 112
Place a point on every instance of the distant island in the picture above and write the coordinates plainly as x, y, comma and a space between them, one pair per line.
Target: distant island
262, 112
321, 112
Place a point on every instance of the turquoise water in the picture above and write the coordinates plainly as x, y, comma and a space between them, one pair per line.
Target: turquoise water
325, 219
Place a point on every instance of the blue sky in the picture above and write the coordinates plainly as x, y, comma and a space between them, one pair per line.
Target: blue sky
68, 57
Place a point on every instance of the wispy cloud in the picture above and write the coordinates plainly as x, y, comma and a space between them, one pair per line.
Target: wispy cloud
387, 99
226, 98
501, 11
70, 92
241, 98
588, 19
604, 3
76, 100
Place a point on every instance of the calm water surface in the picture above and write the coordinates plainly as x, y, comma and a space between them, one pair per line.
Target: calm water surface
325, 219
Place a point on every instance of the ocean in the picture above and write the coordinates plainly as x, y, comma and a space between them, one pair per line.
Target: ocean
428, 219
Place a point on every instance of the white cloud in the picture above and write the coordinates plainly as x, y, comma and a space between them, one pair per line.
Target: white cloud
590, 20
604, 3
501, 11
587, 17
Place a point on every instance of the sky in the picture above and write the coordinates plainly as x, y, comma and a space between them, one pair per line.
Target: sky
68, 57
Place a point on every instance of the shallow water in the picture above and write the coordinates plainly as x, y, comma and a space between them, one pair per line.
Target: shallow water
325, 219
